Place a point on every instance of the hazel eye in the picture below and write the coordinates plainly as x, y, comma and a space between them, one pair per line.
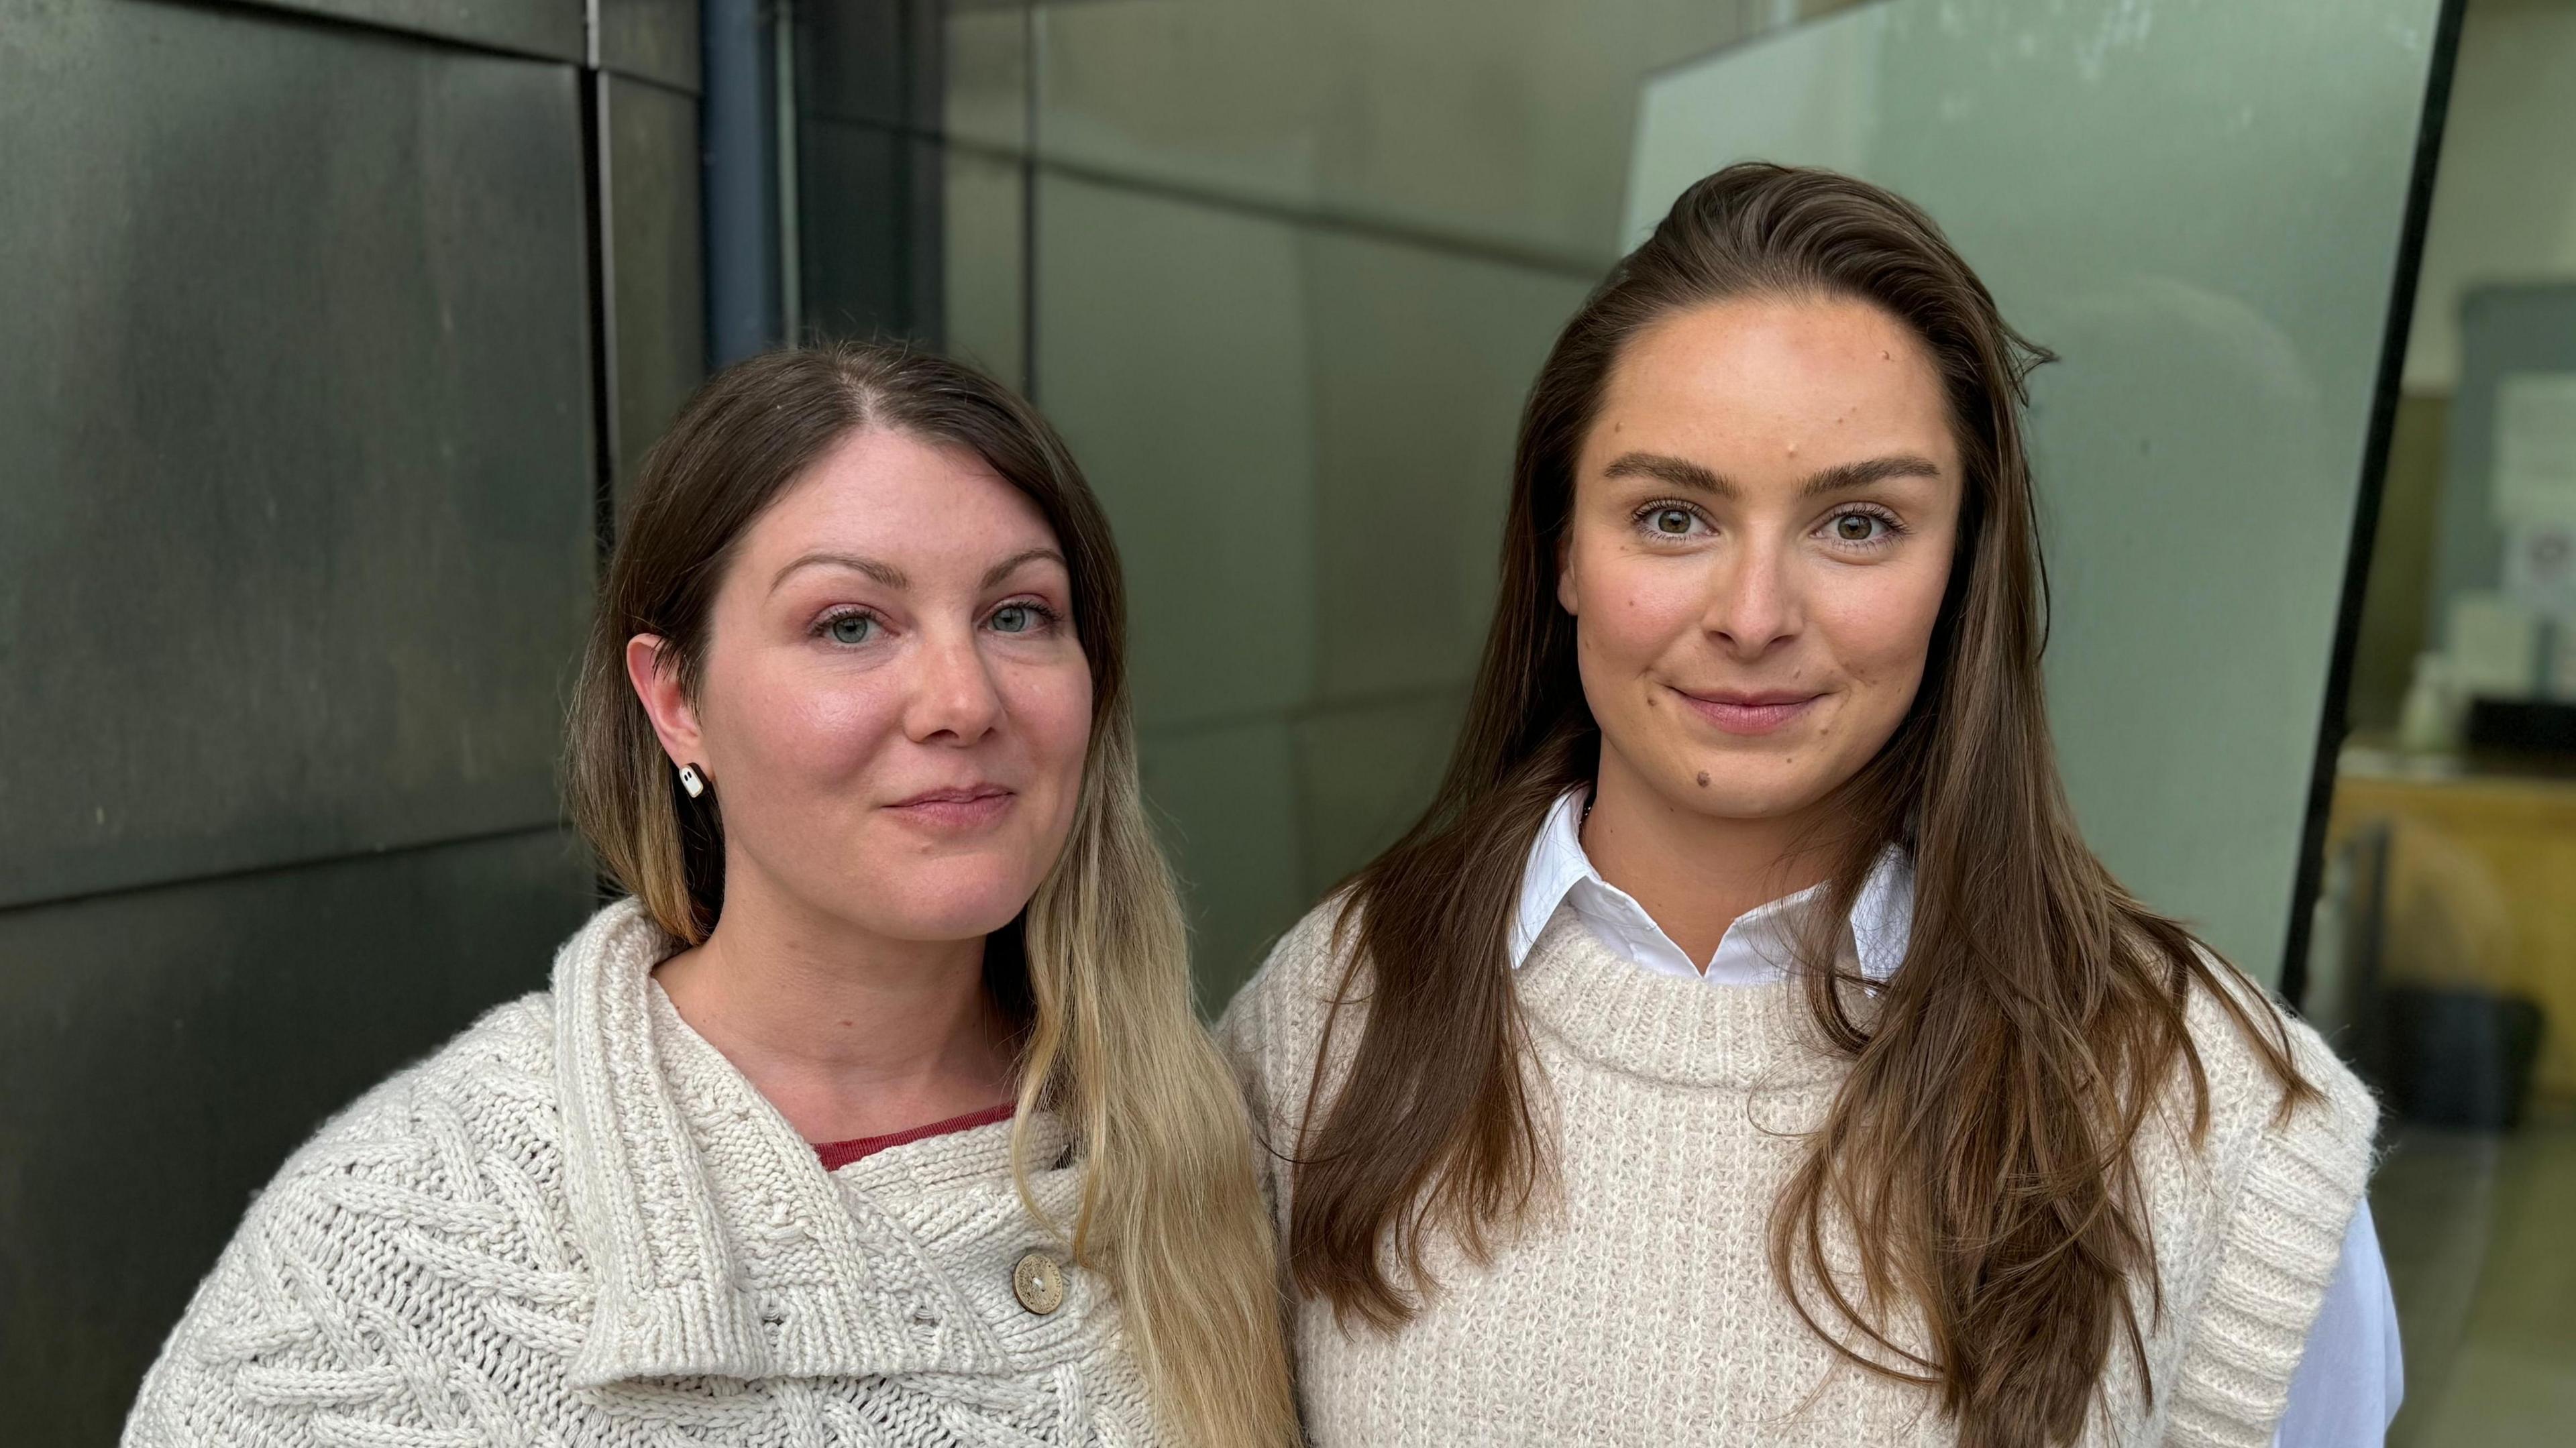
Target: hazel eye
852, 628
1672, 522
1858, 527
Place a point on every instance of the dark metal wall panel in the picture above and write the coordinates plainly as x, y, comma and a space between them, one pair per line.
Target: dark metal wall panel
869, 202
877, 61
549, 28
296, 535
655, 40
653, 253
162, 1051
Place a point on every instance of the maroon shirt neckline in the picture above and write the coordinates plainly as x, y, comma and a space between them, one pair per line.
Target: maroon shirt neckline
838, 1154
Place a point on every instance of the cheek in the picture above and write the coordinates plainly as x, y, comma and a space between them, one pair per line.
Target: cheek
793, 722
1881, 629
1052, 708
1630, 609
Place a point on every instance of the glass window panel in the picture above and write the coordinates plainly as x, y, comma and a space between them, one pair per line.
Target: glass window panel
1424, 358
986, 281
1364, 773
1172, 353
987, 67
1505, 122
1224, 798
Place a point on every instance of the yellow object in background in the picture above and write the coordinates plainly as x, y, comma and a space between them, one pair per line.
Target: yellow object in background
2481, 892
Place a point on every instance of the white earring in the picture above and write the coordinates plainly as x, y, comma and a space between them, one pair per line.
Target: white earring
692, 781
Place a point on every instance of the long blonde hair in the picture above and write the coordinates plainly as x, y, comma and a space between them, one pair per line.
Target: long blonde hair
1098, 965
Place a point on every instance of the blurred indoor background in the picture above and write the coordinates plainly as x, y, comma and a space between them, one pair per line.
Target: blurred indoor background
330, 331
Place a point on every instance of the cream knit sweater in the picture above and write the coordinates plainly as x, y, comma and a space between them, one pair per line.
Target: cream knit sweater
1642, 1309
578, 1224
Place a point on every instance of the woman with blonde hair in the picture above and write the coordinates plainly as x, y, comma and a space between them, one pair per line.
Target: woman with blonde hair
1745, 1048
877, 1112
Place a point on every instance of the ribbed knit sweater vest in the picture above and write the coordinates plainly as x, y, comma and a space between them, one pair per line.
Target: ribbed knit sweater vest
1641, 1307
577, 1224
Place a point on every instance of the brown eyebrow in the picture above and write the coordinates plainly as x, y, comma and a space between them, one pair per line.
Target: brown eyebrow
893, 577
1841, 478
1680, 472
882, 572
1846, 477
1011, 565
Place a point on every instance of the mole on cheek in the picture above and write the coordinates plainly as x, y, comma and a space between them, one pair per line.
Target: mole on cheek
1703, 779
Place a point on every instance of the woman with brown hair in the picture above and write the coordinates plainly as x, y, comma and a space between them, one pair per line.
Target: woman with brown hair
877, 1114
1744, 1047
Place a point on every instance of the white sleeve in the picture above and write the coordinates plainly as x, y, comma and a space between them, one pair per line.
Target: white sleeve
2350, 1377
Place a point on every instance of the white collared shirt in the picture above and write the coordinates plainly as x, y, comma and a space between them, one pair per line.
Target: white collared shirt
2351, 1377
1756, 949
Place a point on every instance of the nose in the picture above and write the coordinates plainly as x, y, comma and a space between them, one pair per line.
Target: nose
1755, 602
954, 700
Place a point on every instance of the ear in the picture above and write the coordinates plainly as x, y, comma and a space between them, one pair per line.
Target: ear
658, 688
1565, 572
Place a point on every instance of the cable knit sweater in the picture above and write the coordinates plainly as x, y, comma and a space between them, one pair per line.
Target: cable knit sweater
1641, 1307
578, 1224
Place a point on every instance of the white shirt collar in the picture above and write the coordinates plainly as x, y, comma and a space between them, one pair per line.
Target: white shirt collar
1756, 949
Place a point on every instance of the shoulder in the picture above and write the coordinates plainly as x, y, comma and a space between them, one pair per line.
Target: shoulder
2288, 1169
449, 1163
1287, 999
2240, 1031
493, 1080
1277, 1021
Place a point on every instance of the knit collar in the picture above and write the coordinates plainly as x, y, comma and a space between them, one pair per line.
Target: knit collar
1599, 1006
718, 1245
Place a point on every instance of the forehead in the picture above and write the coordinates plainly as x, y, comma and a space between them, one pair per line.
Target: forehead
902, 498
1809, 378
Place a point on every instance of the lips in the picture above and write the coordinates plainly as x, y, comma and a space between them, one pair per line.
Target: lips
1749, 712
955, 807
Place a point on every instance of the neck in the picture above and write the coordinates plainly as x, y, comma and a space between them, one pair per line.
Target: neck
1693, 873
847, 1033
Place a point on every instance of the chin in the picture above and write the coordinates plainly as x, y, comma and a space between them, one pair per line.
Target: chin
946, 901
1741, 798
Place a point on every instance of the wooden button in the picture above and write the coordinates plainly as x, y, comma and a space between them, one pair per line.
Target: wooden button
1038, 1283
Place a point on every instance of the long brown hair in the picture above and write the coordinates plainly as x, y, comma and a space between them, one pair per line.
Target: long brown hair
1171, 1210
1980, 1147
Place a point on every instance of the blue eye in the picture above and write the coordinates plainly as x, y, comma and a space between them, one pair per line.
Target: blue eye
1014, 618
851, 628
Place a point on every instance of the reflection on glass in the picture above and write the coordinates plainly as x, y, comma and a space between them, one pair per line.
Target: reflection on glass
1501, 123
